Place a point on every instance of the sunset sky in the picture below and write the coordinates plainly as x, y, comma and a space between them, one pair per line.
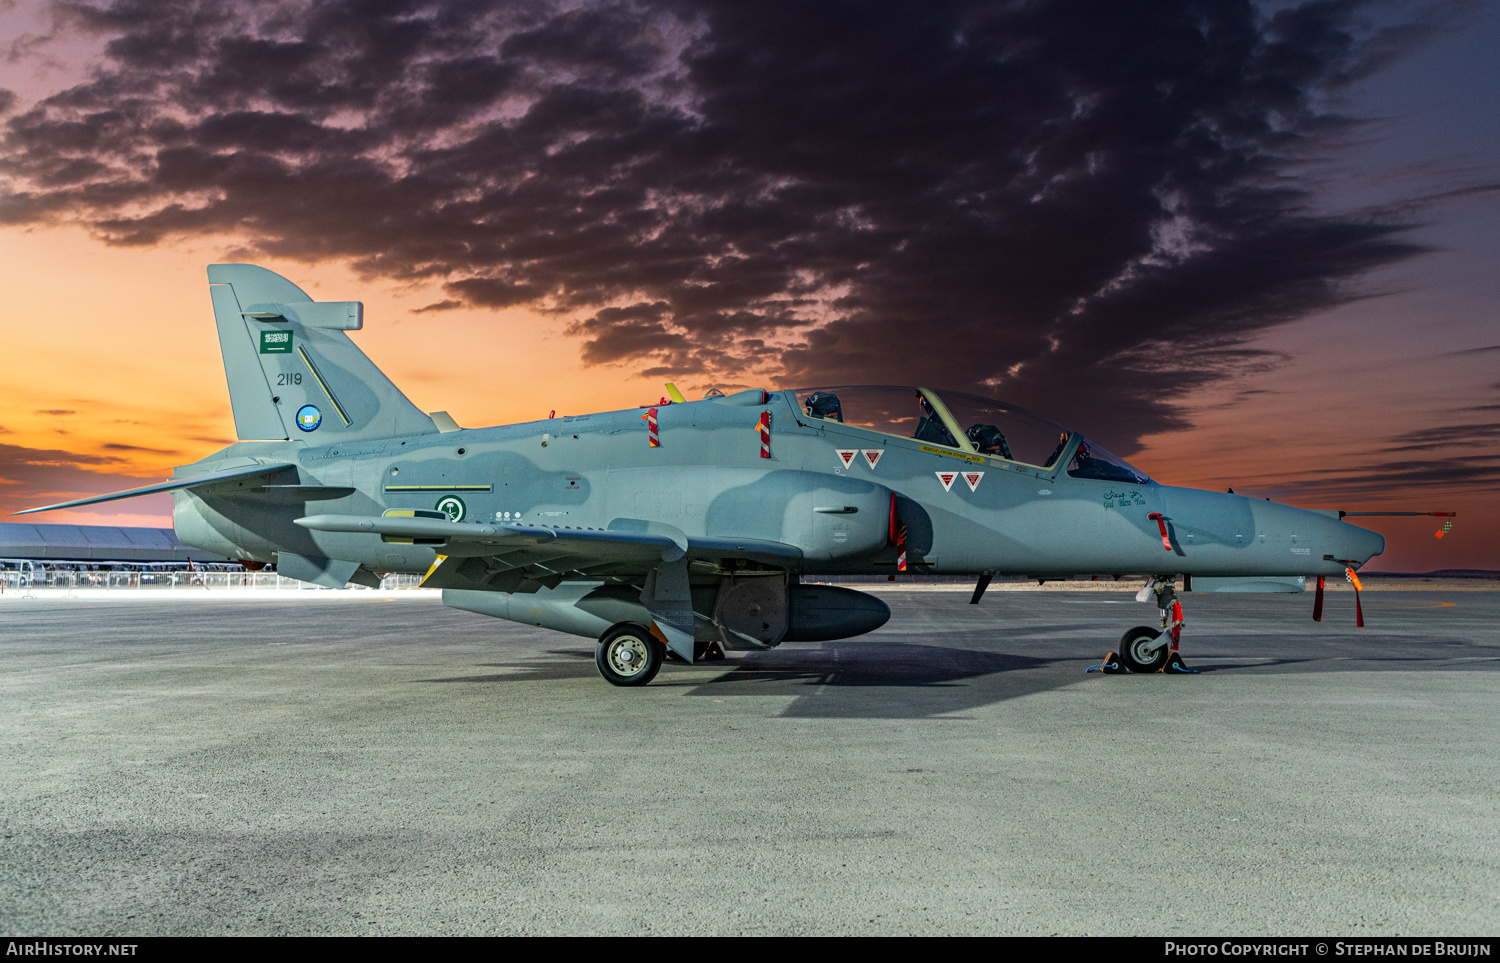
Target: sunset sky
1241, 244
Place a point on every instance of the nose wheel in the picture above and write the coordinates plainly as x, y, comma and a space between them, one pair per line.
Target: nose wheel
1147, 649
1142, 649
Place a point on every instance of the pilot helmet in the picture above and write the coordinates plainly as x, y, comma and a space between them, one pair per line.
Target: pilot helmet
824, 404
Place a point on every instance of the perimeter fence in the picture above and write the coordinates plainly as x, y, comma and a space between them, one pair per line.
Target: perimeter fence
23, 576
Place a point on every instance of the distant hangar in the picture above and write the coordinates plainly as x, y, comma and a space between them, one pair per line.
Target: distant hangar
96, 544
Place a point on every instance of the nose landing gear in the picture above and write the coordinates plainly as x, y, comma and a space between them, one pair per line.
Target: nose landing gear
1147, 649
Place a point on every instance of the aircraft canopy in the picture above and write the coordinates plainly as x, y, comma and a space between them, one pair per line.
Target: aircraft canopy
966, 423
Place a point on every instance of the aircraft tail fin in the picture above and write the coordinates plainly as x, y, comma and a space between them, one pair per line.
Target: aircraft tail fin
292, 370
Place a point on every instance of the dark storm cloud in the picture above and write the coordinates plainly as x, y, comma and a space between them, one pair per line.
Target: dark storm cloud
1444, 459
1453, 473
1425, 201
1084, 206
116, 446
30, 477
1446, 436
448, 304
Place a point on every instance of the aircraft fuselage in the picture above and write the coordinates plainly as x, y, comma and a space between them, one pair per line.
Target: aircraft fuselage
961, 512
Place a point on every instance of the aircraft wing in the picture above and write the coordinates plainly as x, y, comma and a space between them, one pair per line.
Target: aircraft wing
194, 481
480, 553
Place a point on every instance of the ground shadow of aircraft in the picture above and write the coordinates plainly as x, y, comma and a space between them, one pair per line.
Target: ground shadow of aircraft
870, 679
886, 679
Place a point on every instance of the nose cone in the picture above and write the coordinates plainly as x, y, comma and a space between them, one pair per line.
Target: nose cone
1361, 544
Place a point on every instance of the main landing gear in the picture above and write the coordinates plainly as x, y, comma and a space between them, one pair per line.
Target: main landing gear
629, 654
1147, 649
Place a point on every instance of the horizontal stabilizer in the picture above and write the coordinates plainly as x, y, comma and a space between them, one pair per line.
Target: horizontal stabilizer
443, 421
196, 481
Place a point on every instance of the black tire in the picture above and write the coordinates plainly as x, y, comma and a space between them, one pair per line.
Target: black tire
1133, 654
629, 654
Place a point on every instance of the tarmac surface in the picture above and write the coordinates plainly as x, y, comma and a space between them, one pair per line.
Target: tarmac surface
360, 765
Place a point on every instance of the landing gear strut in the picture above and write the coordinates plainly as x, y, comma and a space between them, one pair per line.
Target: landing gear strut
1147, 649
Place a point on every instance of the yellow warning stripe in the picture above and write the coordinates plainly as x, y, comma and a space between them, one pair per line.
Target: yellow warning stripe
953, 454
438, 488
399, 513
432, 568
323, 384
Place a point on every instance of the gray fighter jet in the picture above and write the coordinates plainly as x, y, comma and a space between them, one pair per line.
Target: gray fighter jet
685, 526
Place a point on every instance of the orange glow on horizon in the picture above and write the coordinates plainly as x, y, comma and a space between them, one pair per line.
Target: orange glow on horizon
118, 360
112, 355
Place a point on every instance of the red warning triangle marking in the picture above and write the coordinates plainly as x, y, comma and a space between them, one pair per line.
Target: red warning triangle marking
972, 477
946, 477
846, 455
872, 455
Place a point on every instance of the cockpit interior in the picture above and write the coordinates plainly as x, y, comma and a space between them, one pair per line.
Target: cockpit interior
966, 423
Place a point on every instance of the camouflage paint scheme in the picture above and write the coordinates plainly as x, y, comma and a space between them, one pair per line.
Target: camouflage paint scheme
579, 523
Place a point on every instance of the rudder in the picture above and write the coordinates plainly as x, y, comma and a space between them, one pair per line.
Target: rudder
292, 371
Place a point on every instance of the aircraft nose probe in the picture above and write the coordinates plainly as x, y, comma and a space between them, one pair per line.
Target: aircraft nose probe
1376, 546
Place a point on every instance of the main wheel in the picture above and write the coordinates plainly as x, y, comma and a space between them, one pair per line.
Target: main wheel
1136, 655
628, 654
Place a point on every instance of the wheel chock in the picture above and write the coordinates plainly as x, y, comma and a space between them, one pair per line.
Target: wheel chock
1174, 666
1110, 666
